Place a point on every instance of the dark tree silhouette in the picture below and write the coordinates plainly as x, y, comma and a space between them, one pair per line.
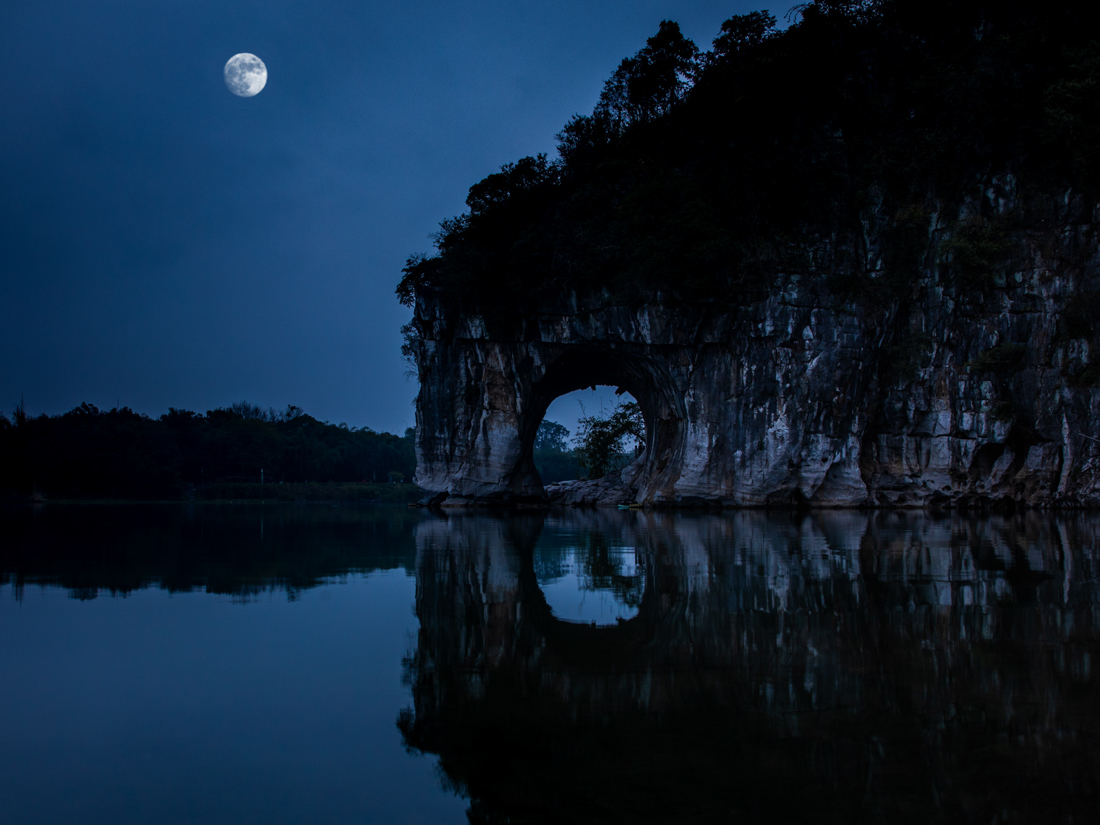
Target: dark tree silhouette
650, 83
600, 443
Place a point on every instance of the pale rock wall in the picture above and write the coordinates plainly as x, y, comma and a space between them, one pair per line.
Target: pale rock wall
791, 395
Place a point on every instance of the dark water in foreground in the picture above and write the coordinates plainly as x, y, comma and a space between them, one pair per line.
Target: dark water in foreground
315, 664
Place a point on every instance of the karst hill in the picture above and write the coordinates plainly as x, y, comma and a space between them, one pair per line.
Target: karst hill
853, 261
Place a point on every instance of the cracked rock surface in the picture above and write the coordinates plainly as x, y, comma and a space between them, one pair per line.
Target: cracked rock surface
942, 396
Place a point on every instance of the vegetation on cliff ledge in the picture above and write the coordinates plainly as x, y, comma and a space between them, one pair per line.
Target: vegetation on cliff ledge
701, 175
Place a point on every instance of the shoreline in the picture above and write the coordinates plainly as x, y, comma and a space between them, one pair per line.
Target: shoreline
228, 492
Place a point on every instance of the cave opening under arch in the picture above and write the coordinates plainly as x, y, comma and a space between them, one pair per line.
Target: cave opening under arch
632, 379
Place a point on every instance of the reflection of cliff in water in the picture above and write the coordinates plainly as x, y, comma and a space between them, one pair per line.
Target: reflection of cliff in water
836, 665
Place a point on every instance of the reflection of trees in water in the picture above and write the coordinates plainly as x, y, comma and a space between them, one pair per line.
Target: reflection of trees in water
602, 568
599, 564
242, 550
852, 666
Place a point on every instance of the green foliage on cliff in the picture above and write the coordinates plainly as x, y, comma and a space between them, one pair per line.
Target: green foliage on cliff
92, 453
974, 251
1002, 358
702, 175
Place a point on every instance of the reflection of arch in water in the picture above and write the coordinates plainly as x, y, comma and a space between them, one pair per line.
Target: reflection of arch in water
589, 578
482, 567
568, 640
857, 655
724, 589
672, 574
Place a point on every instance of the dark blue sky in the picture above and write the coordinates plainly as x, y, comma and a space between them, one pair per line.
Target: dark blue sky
164, 243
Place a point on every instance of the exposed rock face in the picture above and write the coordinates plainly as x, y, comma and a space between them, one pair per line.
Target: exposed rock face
946, 394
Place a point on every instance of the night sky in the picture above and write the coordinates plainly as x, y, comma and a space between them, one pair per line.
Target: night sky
164, 243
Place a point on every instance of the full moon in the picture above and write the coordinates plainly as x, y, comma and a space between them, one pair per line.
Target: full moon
245, 75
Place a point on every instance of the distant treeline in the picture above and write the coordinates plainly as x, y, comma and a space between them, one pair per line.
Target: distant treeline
554, 459
92, 453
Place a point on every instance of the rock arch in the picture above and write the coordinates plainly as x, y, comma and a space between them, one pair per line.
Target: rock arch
663, 409
731, 417
782, 397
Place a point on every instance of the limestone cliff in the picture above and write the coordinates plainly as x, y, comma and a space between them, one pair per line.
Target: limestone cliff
952, 390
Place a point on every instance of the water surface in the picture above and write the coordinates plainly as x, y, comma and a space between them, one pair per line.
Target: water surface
309, 663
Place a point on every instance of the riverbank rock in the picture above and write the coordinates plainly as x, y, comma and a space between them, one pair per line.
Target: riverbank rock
960, 386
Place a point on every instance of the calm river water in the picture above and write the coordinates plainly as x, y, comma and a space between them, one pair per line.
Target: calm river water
259, 663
